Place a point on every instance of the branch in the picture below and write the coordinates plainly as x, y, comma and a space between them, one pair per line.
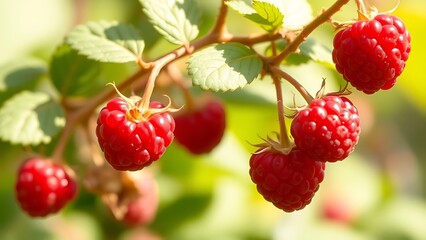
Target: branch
322, 18
220, 25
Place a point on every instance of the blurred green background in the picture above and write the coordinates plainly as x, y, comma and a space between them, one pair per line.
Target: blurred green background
379, 192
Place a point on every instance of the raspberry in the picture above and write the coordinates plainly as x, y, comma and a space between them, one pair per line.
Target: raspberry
328, 129
338, 209
43, 187
202, 129
129, 140
142, 209
372, 54
288, 181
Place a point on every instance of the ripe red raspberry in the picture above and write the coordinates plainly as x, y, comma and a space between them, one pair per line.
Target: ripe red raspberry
142, 209
43, 187
328, 129
288, 181
129, 140
201, 129
372, 54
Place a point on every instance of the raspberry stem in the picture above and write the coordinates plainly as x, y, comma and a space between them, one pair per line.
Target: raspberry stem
361, 7
149, 88
284, 138
66, 133
299, 87
363, 13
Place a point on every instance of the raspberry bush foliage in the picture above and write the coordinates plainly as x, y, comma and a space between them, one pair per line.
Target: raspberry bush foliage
120, 106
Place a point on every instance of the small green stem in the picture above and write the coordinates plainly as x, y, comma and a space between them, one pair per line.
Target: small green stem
284, 138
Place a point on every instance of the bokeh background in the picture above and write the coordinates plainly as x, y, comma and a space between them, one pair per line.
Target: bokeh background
379, 192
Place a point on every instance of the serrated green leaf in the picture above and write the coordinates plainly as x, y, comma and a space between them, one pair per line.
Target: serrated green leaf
30, 118
73, 74
270, 13
176, 20
224, 67
266, 13
107, 41
19, 75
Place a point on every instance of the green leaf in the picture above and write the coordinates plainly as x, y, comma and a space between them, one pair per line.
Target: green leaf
176, 20
224, 67
73, 74
19, 75
270, 13
30, 118
317, 52
266, 13
241, 7
107, 41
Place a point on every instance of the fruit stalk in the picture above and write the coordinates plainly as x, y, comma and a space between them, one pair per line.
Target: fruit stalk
299, 87
360, 5
149, 88
284, 138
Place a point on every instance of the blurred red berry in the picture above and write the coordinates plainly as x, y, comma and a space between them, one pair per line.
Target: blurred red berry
338, 209
43, 187
201, 130
142, 209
